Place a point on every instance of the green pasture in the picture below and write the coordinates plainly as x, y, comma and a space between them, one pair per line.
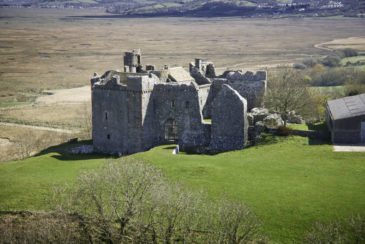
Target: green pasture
288, 182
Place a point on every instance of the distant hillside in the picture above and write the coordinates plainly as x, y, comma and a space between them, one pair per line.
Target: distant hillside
211, 8
201, 8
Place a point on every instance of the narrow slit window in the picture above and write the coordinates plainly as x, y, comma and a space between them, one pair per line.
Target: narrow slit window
187, 104
108, 136
106, 115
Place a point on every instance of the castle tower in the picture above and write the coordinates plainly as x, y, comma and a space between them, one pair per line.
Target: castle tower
138, 98
133, 61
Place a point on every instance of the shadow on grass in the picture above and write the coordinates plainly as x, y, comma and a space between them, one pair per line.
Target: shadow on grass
316, 141
65, 154
169, 147
268, 139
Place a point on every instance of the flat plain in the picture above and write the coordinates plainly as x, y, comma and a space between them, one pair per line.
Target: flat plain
47, 49
42, 49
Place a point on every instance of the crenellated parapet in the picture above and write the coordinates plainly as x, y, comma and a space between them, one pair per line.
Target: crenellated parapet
244, 76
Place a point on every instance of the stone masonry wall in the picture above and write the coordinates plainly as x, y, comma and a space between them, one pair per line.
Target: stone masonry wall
181, 104
229, 121
109, 119
251, 86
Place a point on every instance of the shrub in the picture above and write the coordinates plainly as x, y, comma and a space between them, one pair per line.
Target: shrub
351, 230
26, 227
332, 77
354, 89
299, 66
349, 52
356, 83
331, 61
310, 62
283, 131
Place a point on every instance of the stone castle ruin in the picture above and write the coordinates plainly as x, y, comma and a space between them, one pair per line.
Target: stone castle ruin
142, 107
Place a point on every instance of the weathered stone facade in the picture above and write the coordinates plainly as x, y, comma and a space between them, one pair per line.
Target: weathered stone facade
139, 108
229, 125
251, 86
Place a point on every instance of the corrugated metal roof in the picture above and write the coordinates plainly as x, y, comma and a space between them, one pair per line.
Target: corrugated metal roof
347, 107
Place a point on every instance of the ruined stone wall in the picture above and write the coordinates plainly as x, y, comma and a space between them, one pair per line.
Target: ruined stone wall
215, 88
203, 95
229, 121
180, 103
252, 91
251, 86
136, 110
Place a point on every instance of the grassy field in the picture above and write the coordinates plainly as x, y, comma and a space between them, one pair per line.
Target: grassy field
356, 42
330, 91
19, 142
298, 126
353, 59
287, 182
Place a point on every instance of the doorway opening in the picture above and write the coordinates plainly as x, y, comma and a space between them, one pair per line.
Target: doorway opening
171, 132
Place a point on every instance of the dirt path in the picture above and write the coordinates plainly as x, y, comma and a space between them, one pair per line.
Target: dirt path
321, 46
73, 95
349, 148
357, 43
65, 131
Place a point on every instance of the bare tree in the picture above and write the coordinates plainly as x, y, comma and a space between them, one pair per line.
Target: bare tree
350, 230
236, 223
287, 91
130, 202
27, 227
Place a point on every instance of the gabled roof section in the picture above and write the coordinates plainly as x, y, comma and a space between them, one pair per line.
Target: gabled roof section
179, 74
347, 107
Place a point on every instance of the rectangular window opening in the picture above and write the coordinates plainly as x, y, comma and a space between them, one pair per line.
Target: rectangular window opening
187, 104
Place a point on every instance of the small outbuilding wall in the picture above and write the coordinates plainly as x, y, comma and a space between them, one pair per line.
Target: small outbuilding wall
346, 120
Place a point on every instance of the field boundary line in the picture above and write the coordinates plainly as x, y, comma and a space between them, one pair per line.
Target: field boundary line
43, 128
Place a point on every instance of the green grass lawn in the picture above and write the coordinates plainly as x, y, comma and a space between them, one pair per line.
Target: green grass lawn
288, 183
28, 184
298, 126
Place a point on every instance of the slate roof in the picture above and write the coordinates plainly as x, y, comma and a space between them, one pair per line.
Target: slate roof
347, 107
179, 74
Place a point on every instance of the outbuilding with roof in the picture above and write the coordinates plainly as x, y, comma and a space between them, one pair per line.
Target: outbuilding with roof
346, 119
